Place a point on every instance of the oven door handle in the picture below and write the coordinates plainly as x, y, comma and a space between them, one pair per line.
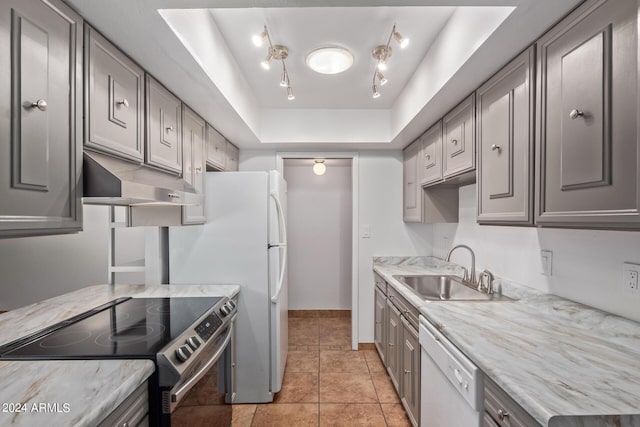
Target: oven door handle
184, 388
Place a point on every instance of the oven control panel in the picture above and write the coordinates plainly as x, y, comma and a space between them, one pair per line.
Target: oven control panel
208, 327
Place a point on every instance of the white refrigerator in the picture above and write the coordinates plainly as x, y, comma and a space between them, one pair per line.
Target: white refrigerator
243, 241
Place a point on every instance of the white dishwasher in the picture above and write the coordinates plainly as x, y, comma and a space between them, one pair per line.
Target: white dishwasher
451, 391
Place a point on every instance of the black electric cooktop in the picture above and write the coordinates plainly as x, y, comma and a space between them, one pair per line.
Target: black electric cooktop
124, 328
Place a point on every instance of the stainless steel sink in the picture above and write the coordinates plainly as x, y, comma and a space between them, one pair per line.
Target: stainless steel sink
446, 288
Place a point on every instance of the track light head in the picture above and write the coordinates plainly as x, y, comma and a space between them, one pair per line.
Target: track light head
290, 95
381, 78
266, 64
375, 94
402, 41
258, 39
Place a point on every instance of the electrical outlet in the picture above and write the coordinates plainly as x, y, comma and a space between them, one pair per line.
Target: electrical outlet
547, 262
630, 272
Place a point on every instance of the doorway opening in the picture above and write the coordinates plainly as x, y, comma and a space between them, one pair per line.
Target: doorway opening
322, 251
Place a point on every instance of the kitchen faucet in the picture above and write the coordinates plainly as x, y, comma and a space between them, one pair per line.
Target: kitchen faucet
471, 279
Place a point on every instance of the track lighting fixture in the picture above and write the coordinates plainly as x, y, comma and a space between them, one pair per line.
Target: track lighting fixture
319, 167
382, 54
279, 53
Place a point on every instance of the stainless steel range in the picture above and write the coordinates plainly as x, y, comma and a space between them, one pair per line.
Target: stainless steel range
187, 338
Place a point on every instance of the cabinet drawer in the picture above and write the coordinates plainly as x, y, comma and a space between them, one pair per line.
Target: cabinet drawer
503, 410
132, 412
164, 128
431, 159
458, 127
216, 146
505, 107
114, 105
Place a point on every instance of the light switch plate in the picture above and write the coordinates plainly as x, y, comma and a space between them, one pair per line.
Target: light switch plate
366, 231
546, 257
630, 273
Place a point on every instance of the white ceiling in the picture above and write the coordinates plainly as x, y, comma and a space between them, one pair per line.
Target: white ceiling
303, 29
200, 55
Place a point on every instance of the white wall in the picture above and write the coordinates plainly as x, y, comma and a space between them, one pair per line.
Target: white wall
319, 235
587, 264
36, 268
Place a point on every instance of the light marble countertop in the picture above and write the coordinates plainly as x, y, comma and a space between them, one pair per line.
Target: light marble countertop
91, 388
565, 363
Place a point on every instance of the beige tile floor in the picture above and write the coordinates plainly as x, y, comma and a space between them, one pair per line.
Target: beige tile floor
328, 384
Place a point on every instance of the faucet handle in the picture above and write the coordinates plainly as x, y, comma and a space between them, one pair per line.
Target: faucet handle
489, 285
465, 275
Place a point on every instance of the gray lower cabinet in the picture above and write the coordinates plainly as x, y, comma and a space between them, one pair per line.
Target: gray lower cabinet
216, 149
163, 138
431, 156
505, 132
410, 392
502, 411
40, 118
411, 188
380, 311
194, 162
133, 412
114, 103
232, 157
587, 149
394, 345
458, 141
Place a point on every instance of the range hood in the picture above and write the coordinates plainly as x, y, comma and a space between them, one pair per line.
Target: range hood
111, 181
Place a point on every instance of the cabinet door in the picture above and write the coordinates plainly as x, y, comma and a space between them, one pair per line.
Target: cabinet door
394, 345
431, 158
163, 141
587, 145
505, 106
458, 152
379, 333
412, 191
40, 118
193, 137
232, 157
410, 395
114, 104
216, 149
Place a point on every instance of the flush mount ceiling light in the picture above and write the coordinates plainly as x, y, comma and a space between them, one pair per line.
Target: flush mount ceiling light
275, 52
382, 54
319, 168
329, 60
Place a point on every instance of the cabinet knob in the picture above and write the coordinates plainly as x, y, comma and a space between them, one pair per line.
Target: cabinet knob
123, 102
390, 344
40, 104
502, 414
407, 372
575, 113
173, 196
495, 147
170, 128
378, 322
428, 156
454, 141
198, 169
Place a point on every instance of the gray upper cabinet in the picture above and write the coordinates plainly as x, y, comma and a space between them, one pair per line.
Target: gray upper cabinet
194, 162
163, 131
412, 191
431, 156
40, 118
232, 156
505, 124
458, 151
114, 100
587, 158
216, 149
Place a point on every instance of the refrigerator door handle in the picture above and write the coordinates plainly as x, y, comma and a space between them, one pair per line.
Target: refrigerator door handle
282, 245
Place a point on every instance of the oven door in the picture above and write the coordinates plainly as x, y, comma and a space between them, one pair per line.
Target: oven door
204, 392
